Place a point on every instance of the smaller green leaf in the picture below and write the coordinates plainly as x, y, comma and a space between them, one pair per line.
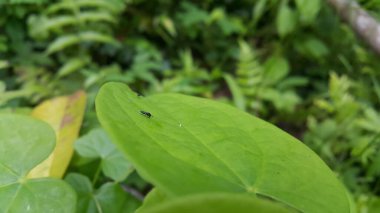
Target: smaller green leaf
110, 197
308, 10
109, 6
259, 10
315, 47
62, 42
24, 143
98, 37
217, 203
237, 94
3, 86
276, 68
96, 144
286, 19
192, 14
4, 64
71, 66
69, 40
96, 17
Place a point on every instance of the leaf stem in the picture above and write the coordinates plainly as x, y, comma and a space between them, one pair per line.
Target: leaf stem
97, 173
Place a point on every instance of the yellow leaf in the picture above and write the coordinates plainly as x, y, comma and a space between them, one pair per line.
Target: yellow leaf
65, 115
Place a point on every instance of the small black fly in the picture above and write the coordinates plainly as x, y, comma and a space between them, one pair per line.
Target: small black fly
147, 114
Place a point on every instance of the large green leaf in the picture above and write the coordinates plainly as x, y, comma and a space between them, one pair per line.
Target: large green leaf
24, 143
191, 145
217, 203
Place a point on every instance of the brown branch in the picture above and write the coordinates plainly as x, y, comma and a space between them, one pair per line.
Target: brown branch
363, 24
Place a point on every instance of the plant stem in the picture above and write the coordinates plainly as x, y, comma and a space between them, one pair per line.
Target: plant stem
136, 194
97, 173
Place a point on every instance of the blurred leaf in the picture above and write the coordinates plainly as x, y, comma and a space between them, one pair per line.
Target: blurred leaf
191, 14
282, 100
41, 25
286, 20
259, 10
153, 198
308, 9
62, 42
315, 48
108, 198
275, 69
25, 142
65, 115
71, 66
237, 94
4, 64
96, 144
370, 121
3, 87
111, 6
291, 82
168, 25
65, 41
26, 1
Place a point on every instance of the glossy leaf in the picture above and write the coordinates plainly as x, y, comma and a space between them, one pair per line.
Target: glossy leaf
25, 142
217, 203
65, 115
96, 144
192, 145
108, 198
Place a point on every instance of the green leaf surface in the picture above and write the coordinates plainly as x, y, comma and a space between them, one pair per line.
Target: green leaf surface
154, 197
96, 144
24, 143
71, 66
308, 9
237, 94
110, 197
259, 10
217, 203
72, 39
276, 69
286, 19
192, 145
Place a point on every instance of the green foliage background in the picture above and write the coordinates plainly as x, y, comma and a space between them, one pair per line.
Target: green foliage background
291, 62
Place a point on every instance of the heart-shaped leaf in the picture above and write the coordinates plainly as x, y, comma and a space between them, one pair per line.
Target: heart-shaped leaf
187, 145
96, 144
217, 203
24, 143
108, 198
